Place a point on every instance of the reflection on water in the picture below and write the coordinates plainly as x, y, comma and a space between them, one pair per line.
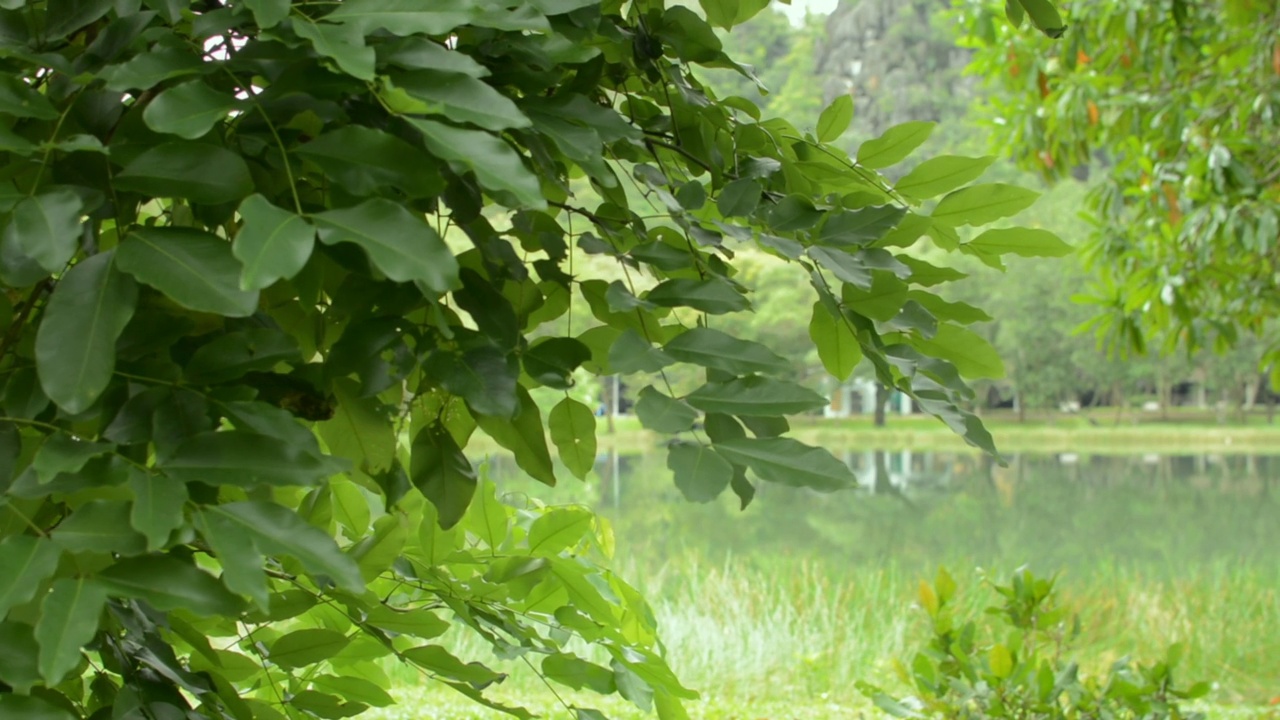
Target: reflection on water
1163, 513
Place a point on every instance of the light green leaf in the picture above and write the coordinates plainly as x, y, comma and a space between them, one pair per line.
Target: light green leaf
713, 295
755, 395
497, 165
661, 413
942, 174
194, 268
461, 98
365, 161
487, 518
1044, 16
189, 110
276, 530
68, 621
25, 564
573, 431
972, 355
198, 172
1026, 242
437, 660
861, 227
272, 243
788, 462
242, 458
157, 506
436, 543
574, 672
894, 145
417, 622
882, 301
46, 227
835, 119
401, 245
524, 437
848, 267
558, 529
100, 526
360, 430
442, 473
981, 204
700, 473
720, 13
75, 343
167, 583
307, 647
376, 551
721, 351
837, 346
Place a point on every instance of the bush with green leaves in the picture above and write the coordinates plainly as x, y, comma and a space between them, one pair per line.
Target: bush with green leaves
1018, 664
268, 266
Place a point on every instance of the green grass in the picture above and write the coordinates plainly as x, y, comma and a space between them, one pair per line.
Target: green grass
790, 640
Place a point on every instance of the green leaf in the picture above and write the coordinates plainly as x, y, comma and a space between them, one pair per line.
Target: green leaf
75, 343
306, 647
835, 119
68, 621
631, 353
1044, 16
788, 462
189, 110
894, 145
18, 666
579, 674
882, 301
242, 458
242, 564
573, 431
848, 267
401, 245
417, 622
198, 172
661, 413
1014, 11
354, 689
268, 13
488, 518
379, 549
148, 69
100, 526
859, 227
837, 346
194, 268
552, 361
713, 295
460, 97
558, 529
167, 583
436, 659
403, 17
720, 13
276, 530
981, 204
700, 473
20, 100
25, 564
720, 351
61, 453
972, 355
484, 376
942, 174
755, 395
344, 44
235, 354
46, 227
793, 212
364, 161
739, 198
524, 437
272, 243
360, 430
157, 506
1026, 242
442, 473
497, 166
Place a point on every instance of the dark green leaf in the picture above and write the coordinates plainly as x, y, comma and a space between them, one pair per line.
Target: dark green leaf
1044, 16
344, 44
363, 161
484, 376
972, 355
789, 462
68, 621
75, 344
721, 351
276, 530
436, 659
18, 665
552, 361
793, 212
22, 707
19, 100
167, 583
524, 437
442, 473
755, 395
631, 353
307, 647
62, 453
272, 243
157, 506
700, 473
578, 674
398, 243
189, 110
242, 564
354, 690
739, 198
46, 227
100, 526
713, 296
497, 166
360, 430
837, 346
236, 354
894, 145
859, 227
461, 98
193, 171
404, 17
25, 564
573, 431
194, 268
268, 13
238, 457
661, 413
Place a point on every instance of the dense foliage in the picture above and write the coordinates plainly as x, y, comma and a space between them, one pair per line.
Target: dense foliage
1175, 104
233, 468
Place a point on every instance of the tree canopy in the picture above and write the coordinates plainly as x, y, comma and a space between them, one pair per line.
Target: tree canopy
1175, 105
269, 266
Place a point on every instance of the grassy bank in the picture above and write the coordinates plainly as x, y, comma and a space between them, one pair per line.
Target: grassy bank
790, 641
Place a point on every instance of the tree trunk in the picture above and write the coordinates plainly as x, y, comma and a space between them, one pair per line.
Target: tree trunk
882, 398
1022, 406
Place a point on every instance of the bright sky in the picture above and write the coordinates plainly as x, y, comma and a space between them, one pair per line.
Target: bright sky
797, 8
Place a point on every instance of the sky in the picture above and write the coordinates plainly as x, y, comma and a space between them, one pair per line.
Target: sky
797, 8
